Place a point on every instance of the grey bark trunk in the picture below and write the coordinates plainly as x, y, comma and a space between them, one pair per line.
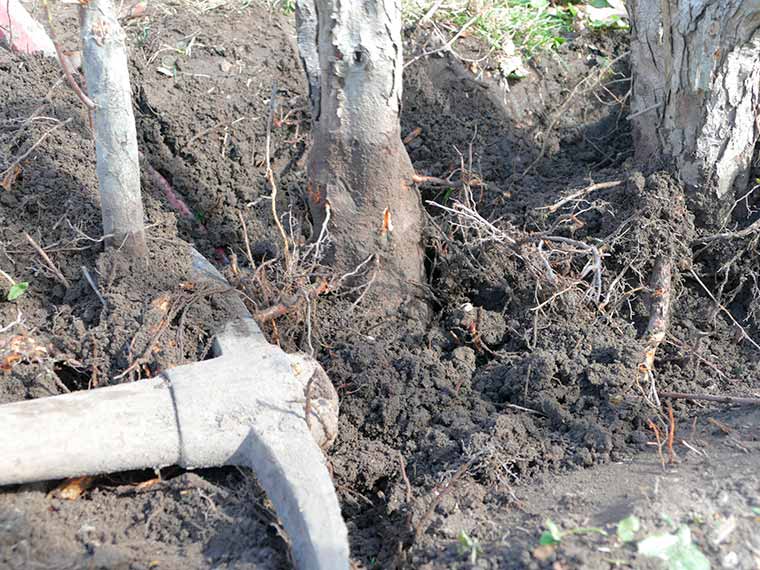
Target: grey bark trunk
696, 91
105, 68
358, 166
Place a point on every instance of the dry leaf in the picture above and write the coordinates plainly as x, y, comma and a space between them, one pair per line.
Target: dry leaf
413, 135
10, 178
72, 489
147, 484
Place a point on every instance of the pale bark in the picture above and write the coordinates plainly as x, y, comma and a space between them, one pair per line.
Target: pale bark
696, 91
105, 67
352, 53
21, 31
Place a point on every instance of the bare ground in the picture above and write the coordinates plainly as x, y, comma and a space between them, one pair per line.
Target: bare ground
519, 401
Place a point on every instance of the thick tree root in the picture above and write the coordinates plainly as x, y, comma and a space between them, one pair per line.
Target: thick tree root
659, 313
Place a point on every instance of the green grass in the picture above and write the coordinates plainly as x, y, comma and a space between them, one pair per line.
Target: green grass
531, 25
509, 28
516, 27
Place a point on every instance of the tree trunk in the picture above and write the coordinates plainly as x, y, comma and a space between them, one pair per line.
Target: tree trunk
105, 68
358, 166
696, 91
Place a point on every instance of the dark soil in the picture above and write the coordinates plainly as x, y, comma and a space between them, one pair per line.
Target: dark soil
518, 401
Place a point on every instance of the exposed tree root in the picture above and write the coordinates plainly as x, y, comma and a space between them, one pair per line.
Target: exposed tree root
659, 313
710, 398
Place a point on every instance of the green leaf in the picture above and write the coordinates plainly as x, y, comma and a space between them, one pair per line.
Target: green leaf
552, 534
627, 528
756, 511
17, 290
657, 545
599, 4
547, 539
677, 550
668, 520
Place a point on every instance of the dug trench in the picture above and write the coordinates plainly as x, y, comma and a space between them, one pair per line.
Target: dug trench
527, 378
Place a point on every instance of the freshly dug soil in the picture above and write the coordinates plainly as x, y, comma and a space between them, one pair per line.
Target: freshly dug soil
516, 398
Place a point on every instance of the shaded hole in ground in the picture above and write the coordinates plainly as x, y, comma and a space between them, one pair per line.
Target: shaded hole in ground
433, 275
73, 378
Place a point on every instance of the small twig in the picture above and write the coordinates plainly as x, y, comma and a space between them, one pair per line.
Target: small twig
18, 321
694, 449
92, 283
431, 11
710, 398
422, 525
247, 242
308, 322
211, 130
754, 227
405, 478
581, 193
449, 43
642, 111
50, 264
7, 277
724, 310
522, 409
35, 145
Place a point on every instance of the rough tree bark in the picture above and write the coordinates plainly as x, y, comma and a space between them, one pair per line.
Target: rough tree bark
358, 166
696, 91
105, 68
